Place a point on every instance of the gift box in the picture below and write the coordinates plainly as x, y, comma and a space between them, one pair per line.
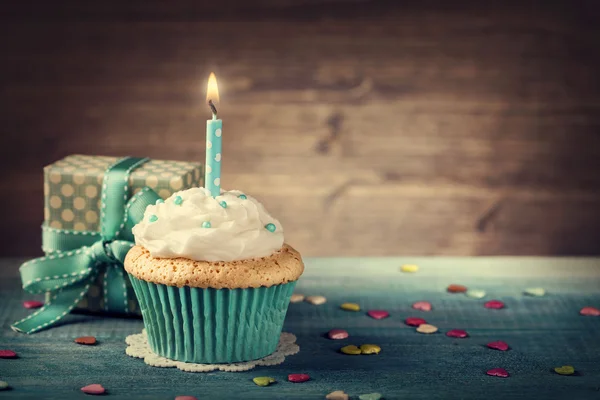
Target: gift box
91, 204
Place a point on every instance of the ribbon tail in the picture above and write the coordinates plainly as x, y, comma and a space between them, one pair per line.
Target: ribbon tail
115, 288
60, 304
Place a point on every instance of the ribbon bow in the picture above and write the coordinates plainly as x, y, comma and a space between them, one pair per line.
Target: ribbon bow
77, 258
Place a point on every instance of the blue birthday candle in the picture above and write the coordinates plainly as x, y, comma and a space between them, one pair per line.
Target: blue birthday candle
214, 132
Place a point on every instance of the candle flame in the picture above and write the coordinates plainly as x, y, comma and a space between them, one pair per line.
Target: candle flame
212, 91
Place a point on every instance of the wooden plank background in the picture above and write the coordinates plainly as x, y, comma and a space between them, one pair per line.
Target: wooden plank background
366, 127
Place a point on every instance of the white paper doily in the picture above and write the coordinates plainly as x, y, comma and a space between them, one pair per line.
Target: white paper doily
138, 347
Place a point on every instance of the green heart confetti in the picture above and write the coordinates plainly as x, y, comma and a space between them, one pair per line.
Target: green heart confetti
263, 380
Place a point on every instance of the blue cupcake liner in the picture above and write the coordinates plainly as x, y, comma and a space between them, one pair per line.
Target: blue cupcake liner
212, 326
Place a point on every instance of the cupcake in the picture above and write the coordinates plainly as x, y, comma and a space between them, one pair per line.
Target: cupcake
213, 277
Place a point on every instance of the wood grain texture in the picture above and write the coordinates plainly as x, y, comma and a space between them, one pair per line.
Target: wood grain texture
368, 128
542, 332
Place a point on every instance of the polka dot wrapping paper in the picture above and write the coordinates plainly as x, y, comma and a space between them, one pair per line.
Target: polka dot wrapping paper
72, 188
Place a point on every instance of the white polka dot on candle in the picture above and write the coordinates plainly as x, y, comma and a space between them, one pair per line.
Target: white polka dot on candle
218, 133
208, 144
208, 169
217, 181
218, 157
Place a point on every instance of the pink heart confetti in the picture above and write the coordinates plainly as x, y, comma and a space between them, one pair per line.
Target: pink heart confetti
422, 306
457, 333
94, 388
32, 304
7, 354
414, 321
498, 345
185, 398
590, 311
378, 314
494, 304
298, 378
337, 334
500, 372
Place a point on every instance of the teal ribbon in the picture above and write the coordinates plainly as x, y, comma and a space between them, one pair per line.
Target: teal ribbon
77, 258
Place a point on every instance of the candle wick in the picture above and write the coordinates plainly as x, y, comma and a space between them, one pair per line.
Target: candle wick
213, 108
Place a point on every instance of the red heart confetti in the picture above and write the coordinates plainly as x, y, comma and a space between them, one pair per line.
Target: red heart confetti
498, 345
297, 378
88, 340
590, 311
500, 372
378, 314
7, 354
494, 304
457, 333
185, 398
94, 388
337, 334
32, 304
414, 321
456, 288
422, 306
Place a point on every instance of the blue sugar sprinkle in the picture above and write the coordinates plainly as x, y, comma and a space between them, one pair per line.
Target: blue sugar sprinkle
159, 201
243, 196
153, 218
270, 227
178, 200
223, 204
206, 224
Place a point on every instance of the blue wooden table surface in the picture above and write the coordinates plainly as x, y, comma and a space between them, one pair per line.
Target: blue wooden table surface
543, 333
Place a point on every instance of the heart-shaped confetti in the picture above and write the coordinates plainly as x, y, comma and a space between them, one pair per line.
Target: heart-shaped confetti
501, 372
94, 388
410, 268
185, 398
298, 378
590, 311
350, 307
263, 380
456, 288
475, 293
414, 321
494, 304
535, 292
32, 304
337, 334
296, 298
565, 370
427, 328
378, 314
457, 333
316, 300
370, 396
351, 350
422, 306
337, 395
7, 354
87, 340
369, 349
498, 345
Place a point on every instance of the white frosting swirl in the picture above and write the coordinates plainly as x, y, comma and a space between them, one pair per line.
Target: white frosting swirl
237, 231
